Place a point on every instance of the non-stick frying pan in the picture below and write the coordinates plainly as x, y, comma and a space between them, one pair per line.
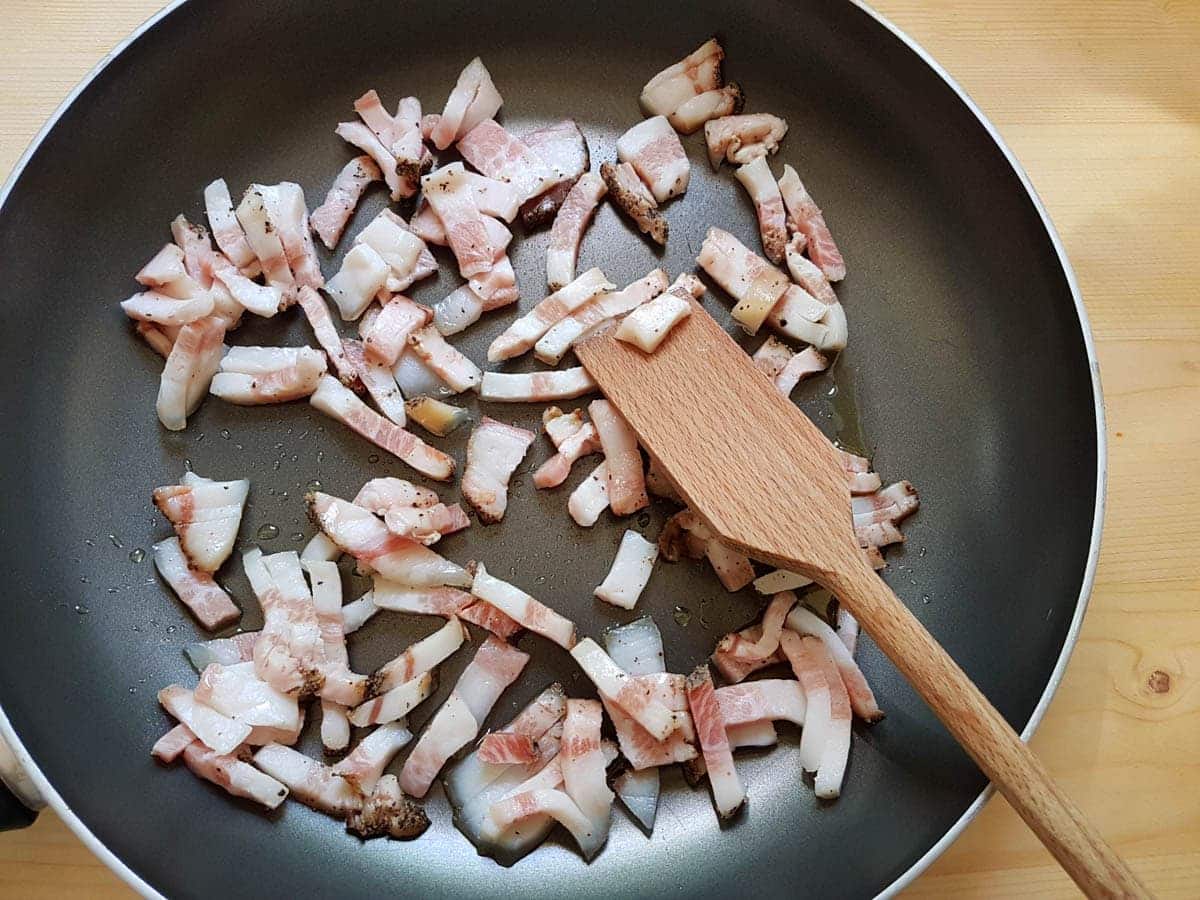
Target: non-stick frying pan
969, 372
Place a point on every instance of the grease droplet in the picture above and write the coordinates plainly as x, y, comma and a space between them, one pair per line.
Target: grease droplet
682, 616
187, 465
116, 542
921, 552
225, 433
84, 580
279, 446
133, 690
373, 458
925, 598
267, 532
81, 609
170, 629
136, 555
313, 485
275, 465
239, 446
320, 453
90, 543
541, 579
297, 536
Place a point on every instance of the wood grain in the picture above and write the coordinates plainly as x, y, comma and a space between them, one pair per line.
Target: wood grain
1101, 103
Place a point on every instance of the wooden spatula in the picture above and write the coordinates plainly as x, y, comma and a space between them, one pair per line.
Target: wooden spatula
767, 482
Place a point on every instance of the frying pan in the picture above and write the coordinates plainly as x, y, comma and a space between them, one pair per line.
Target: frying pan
970, 372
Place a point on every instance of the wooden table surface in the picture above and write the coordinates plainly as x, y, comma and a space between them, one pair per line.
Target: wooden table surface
1101, 103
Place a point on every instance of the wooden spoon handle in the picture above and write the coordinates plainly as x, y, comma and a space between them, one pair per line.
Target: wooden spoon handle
985, 735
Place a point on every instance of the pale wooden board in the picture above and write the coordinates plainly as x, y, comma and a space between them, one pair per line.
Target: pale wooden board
1101, 102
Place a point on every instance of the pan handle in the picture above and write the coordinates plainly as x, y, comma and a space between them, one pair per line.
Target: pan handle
20, 799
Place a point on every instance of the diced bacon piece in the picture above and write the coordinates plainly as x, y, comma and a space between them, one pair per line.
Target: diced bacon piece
206, 515
429, 121
892, 504
847, 629
189, 370
653, 149
503, 749
568, 331
362, 275
525, 331
388, 812
237, 777
450, 196
288, 214
388, 336
569, 225
168, 747
555, 470
494, 451
772, 627
158, 340
630, 571
237, 692
691, 114
260, 234
458, 310
759, 183
407, 143
745, 276
444, 360
395, 703
740, 139
426, 526
378, 380
615, 685
357, 613
196, 589
590, 498
805, 216
559, 425
151, 306
164, 267
641, 748
381, 494
630, 196
425, 265
419, 658
396, 245
473, 100
583, 765
310, 782
290, 652
802, 655
806, 273
735, 668
815, 667
491, 619
317, 313
226, 230
696, 73
496, 665
626, 478
329, 219
522, 608
518, 808
638, 648
728, 793
490, 149
255, 375
435, 416
536, 387
217, 732
787, 369
564, 149
262, 300
771, 699
862, 698
226, 651
370, 109
198, 253
732, 568
426, 225
647, 326
335, 727
429, 601
359, 135
341, 686
772, 357
338, 402
878, 534
366, 538
260, 736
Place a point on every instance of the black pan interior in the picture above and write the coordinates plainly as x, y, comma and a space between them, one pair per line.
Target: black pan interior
966, 366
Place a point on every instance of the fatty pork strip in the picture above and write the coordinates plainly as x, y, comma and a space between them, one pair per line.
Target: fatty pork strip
642, 749
615, 685
727, 790
329, 219
579, 443
435, 416
388, 335
491, 619
494, 451
763, 191
523, 608
748, 278
218, 732
363, 274
473, 99
696, 73
226, 651
205, 515
458, 721
426, 526
359, 135
168, 748
386, 811
564, 149
771, 699
569, 225
290, 652
685, 532
490, 149
418, 659
825, 741
862, 698
590, 498
364, 765
630, 571
425, 601
288, 215
339, 402
205, 599
408, 147
653, 149
379, 381
451, 366
648, 325
188, 371
523, 333
262, 300
536, 387
583, 765
568, 331
381, 494
236, 776
771, 628
805, 217
630, 196
786, 369
740, 139
387, 131
361, 534
226, 230
691, 114
342, 686
357, 613
261, 235
451, 198
251, 376
170, 312
237, 692
626, 477
312, 783
326, 333
405, 253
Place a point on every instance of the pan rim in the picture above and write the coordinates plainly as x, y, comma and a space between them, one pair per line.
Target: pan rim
55, 801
